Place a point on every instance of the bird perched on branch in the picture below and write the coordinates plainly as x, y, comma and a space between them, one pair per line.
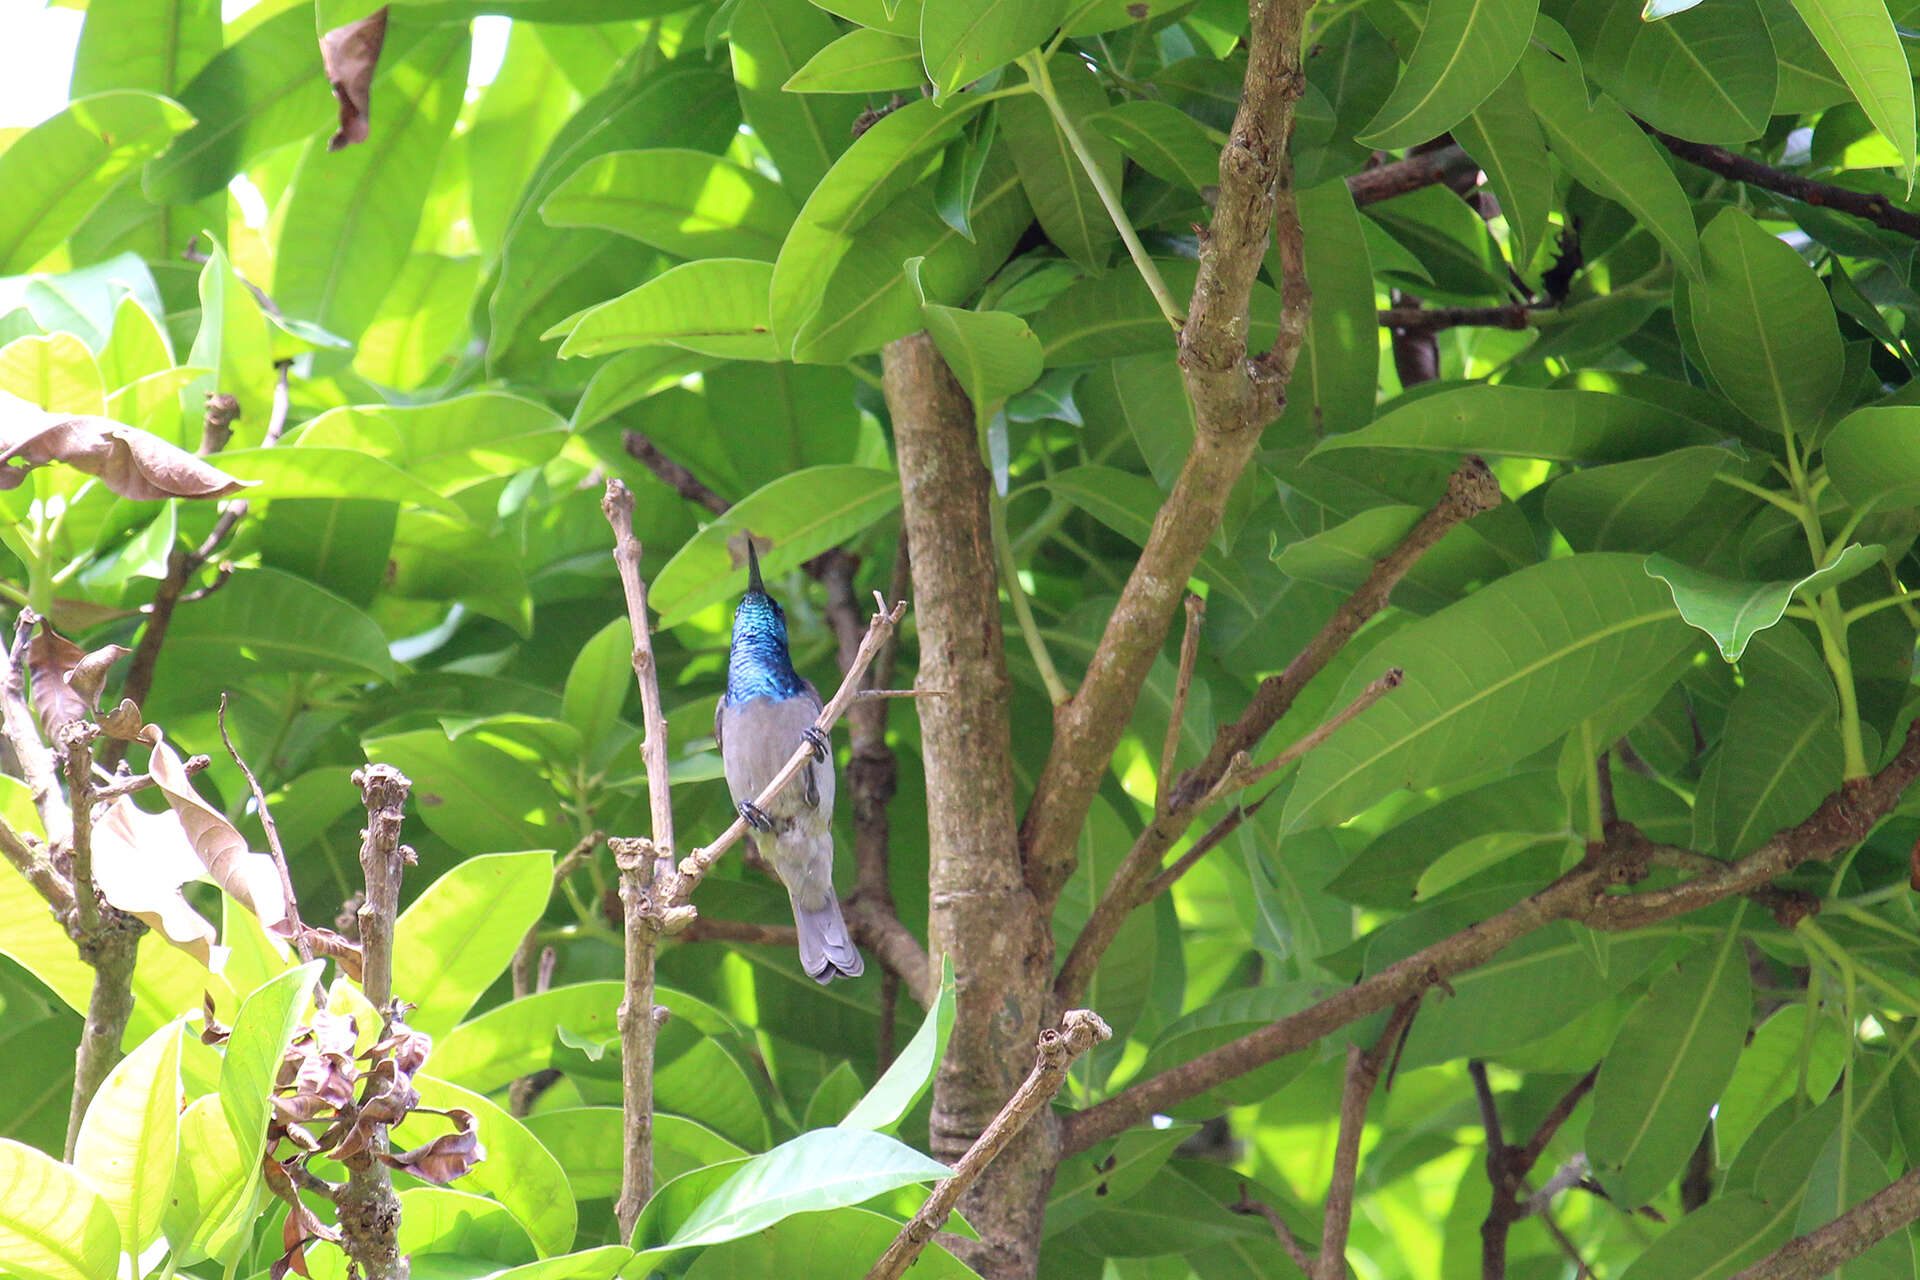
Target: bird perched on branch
767, 711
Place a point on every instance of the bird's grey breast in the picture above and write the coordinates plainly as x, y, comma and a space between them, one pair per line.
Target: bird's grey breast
757, 736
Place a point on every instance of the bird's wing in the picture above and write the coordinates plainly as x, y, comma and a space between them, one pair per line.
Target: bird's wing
719, 710
811, 781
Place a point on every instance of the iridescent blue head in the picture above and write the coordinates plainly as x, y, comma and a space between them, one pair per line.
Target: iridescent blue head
758, 664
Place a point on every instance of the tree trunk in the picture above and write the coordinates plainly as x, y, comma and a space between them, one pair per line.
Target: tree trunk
981, 912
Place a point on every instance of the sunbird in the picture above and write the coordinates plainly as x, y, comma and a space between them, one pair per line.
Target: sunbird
767, 711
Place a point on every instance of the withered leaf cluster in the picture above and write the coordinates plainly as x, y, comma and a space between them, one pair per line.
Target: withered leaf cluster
334, 1103
133, 463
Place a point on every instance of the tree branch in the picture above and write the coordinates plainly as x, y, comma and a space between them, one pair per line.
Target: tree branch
1363, 1070
674, 475
1470, 490
1284, 1233
1398, 177
1871, 206
1182, 687
1582, 894
1233, 396
1080, 1030
1820, 1252
369, 1207
1434, 319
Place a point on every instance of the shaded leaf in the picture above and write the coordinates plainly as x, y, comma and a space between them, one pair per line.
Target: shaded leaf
1733, 610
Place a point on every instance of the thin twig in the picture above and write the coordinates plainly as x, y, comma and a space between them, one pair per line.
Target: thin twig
1375, 691
521, 970
1284, 1233
880, 695
272, 829
1182, 687
1079, 1031
643, 866
1434, 319
1398, 177
1363, 1071
674, 475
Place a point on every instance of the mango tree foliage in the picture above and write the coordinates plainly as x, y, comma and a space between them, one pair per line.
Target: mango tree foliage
1657, 269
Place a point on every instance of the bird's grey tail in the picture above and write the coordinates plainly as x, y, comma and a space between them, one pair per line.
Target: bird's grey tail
826, 950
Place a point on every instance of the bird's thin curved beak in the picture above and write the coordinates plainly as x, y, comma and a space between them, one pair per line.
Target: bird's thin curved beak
753, 568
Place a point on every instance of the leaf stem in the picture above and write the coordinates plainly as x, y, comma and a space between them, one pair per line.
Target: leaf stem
1022, 610
1832, 625
1036, 69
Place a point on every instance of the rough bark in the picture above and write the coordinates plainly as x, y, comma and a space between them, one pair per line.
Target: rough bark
981, 911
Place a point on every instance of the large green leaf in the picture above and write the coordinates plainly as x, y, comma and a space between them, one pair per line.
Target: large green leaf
1634, 506
803, 513
1765, 326
688, 203
818, 1245
1525, 422
1780, 751
1503, 135
53, 1226
1666, 1070
61, 168
909, 1075
129, 1138
250, 1063
991, 353
1466, 49
1873, 457
1860, 38
321, 472
1729, 1232
1115, 315
716, 306
1490, 680
1707, 74
965, 39
587, 1143
281, 622
821, 1169
861, 61
473, 795
1163, 140
451, 444
769, 41
1732, 611
1769, 1071
1127, 504
138, 44
234, 342
457, 937
347, 227
1057, 184
258, 93
518, 1172
1606, 151
1336, 379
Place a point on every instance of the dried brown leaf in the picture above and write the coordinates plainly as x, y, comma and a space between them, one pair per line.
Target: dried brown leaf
123, 722
140, 860
249, 878
351, 53
449, 1156
133, 463
52, 658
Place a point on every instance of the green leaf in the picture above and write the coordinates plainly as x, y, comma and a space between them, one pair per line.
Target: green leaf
210, 1205
991, 353
862, 61
966, 39
1466, 49
821, 1169
1335, 381
457, 937
1344, 555
881, 165
347, 226
56, 372
1220, 1021
1667, 1068
1163, 140
1525, 422
1470, 857
770, 40
129, 1138
419, 320
962, 165
518, 1172
303, 471
282, 622
256, 94
1847, 1171
1111, 1173
1769, 1070
1860, 38
472, 795
1780, 752
63, 167
53, 1226
1729, 1232
687, 203
1489, 681
516, 1038
1503, 136
1873, 457
1634, 506
1115, 315
135, 44
450, 445
717, 306
1707, 75
1606, 152
633, 376
234, 341
598, 683
1062, 195
1732, 610
1765, 326
818, 1245
251, 1061
894, 1094
586, 1142
803, 513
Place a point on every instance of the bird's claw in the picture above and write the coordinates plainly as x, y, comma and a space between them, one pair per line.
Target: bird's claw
756, 816
818, 741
